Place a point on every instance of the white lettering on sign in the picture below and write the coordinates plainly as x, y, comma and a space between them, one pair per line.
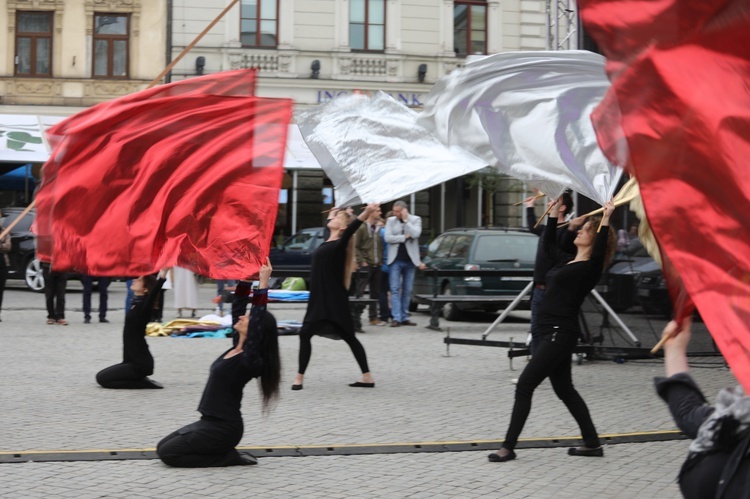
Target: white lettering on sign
406, 98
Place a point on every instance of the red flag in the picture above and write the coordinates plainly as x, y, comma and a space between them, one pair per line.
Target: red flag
679, 113
186, 174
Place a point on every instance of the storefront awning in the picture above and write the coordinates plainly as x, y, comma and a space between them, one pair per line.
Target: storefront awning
22, 141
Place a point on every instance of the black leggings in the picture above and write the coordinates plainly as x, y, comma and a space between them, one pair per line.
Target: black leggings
552, 359
125, 375
330, 330
203, 444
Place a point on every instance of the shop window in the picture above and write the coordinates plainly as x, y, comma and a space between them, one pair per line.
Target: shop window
367, 24
111, 45
34, 44
470, 27
259, 23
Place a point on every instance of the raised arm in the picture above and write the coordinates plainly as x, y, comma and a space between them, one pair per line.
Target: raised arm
161, 277
352, 227
600, 243
251, 354
685, 400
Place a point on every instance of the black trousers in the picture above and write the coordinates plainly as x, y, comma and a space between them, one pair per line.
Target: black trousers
126, 375
333, 331
54, 292
88, 284
3, 277
552, 359
203, 444
383, 301
369, 277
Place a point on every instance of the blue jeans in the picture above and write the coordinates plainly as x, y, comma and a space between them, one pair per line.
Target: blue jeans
401, 280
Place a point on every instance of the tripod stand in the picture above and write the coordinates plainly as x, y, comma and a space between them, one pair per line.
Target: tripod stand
593, 293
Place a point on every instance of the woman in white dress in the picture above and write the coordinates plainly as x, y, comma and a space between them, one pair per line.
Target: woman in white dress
185, 290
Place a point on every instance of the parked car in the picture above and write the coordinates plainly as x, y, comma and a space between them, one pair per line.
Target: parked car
296, 252
634, 280
480, 248
23, 262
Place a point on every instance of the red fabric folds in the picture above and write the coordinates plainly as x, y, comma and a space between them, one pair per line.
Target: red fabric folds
185, 174
678, 113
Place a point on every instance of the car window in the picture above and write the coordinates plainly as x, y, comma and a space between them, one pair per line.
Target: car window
298, 242
461, 247
440, 247
22, 226
505, 247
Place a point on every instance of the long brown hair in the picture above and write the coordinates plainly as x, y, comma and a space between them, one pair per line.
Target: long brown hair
349, 254
609, 253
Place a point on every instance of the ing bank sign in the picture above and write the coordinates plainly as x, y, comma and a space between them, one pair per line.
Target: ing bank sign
409, 99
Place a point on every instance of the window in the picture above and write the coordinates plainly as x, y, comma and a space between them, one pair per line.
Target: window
34, 44
470, 27
259, 23
367, 24
111, 41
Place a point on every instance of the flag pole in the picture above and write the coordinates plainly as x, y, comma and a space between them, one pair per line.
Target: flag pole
153, 83
192, 44
549, 208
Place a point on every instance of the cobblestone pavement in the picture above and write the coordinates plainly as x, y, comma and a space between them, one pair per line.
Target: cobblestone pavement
50, 402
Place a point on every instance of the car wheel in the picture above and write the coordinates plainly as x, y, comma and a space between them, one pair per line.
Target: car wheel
34, 277
450, 310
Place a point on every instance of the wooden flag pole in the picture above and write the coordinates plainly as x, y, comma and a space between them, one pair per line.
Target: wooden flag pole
192, 44
549, 208
18, 219
535, 197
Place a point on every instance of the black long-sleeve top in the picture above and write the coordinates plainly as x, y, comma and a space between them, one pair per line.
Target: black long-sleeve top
724, 473
329, 299
543, 262
568, 282
135, 348
222, 397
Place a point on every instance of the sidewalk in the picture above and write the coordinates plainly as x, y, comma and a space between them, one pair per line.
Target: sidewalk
52, 403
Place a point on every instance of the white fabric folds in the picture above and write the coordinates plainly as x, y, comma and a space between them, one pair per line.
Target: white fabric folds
373, 150
528, 114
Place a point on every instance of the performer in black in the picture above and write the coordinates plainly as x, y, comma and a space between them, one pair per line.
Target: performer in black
718, 464
211, 441
328, 306
137, 363
568, 283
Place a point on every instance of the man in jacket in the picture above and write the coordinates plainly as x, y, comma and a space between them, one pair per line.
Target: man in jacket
402, 233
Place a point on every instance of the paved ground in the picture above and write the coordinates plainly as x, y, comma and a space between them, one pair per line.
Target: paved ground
50, 402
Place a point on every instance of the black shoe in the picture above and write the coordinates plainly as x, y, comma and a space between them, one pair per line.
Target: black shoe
359, 384
296, 387
104, 320
395, 324
408, 323
248, 459
585, 451
87, 320
496, 458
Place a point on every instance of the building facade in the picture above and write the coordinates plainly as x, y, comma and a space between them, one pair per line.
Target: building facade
79, 52
314, 51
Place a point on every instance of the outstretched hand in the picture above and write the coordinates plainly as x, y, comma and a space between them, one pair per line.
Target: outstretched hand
609, 207
264, 273
676, 338
163, 273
